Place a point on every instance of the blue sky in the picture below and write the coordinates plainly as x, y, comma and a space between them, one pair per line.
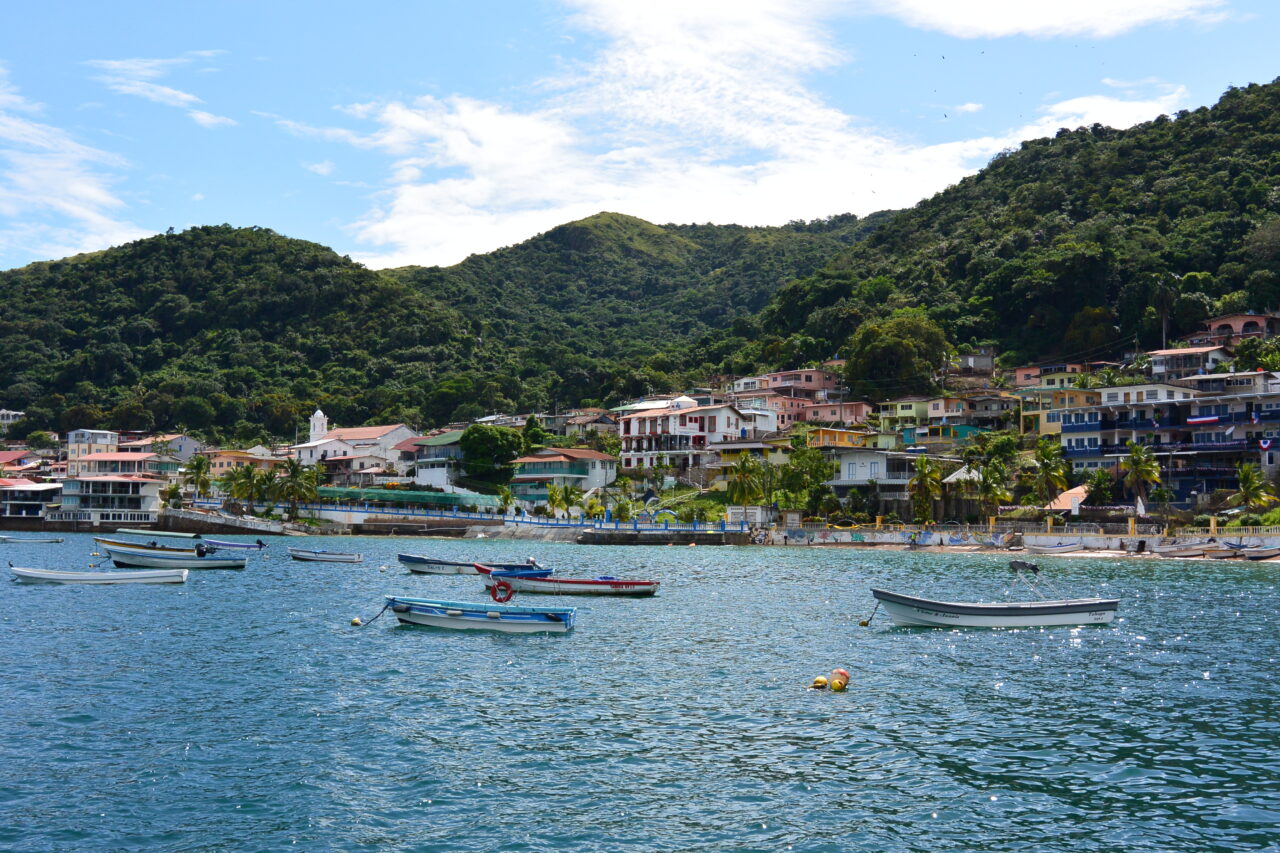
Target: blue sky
419, 133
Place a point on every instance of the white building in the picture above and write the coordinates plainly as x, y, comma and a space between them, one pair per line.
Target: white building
379, 441
7, 417
111, 498
561, 466
678, 434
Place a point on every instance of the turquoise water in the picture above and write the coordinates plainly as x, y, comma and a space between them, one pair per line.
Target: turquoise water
242, 711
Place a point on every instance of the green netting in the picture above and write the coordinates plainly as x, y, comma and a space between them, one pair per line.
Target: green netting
396, 496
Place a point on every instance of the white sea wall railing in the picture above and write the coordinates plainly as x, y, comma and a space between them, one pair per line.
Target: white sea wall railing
362, 513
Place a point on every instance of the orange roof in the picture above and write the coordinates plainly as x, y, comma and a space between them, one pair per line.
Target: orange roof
1183, 351
1063, 501
116, 457
357, 433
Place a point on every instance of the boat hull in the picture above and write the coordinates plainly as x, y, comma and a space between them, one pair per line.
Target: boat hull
1260, 553
574, 586
1181, 552
1068, 548
461, 616
47, 576
432, 566
922, 612
324, 556
144, 547
19, 540
161, 560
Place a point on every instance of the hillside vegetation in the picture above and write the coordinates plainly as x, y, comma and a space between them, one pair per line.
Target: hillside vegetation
239, 333
1071, 246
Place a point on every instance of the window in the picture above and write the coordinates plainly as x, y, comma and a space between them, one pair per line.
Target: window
1113, 396
1153, 395
875, 470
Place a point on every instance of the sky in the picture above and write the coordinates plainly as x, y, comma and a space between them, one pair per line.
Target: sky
422, 132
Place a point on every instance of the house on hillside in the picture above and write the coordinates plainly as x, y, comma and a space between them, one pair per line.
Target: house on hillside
86, 442
8, 417
1230, 329
677, 435
23, 498
1168, 364
177, 445
438, 458
587, 470
379, 441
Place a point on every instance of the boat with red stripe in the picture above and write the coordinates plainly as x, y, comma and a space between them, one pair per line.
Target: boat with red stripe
519, 581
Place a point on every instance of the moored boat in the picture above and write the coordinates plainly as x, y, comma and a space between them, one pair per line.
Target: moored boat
128, 558
51, 576
1179, 551
248, 546
321, 556
513, 619
431, 566
923, 612
1057, 548
525, 581
1259, 553
146, 546
29, 540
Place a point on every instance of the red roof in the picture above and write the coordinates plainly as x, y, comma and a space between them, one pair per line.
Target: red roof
116, 457
409, 445
358, 433
7, 456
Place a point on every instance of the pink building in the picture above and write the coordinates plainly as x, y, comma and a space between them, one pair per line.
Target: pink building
837, 412
1230, 329
811, 383
1026, 377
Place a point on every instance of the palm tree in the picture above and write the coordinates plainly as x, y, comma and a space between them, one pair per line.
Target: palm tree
925, 486
993, 487
264, 489
1254, 490
1049, 471
505, 498
1140, 468
172, 495
594, 508
295, 485
745, 481
196, 474
237, 483
572, 497
555, 499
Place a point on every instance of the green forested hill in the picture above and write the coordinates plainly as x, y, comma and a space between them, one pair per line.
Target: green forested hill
586, 304
239, 332
1066, 246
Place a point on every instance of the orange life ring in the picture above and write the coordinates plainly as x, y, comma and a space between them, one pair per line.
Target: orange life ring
501, 591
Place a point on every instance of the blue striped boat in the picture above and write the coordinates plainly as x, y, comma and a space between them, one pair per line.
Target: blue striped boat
510, 618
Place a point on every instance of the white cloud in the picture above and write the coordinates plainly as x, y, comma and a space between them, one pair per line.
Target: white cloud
325, 167
137, 77
970, 107
198, 197
692, 112
205, 119
998, 18
55, 193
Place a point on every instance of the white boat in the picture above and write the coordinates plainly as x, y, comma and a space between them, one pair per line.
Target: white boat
126, 558
1179, 551
147, 547
511, 619
29, 540
48, 576
541, 581
923, 612
324, 556
1058, 548
909, 610
1260, 553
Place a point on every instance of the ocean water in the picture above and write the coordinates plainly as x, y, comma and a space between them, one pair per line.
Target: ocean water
243, 712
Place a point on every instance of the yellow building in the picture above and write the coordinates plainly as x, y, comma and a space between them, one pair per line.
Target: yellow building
772, 451
1043, 413
827, 438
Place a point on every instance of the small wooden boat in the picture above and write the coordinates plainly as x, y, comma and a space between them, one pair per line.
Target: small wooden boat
1058, 548
319, 556
431, 566
1222, 553
1259, 553
524, 581
145, 546
153, 533
1179, 551
484, 616
129, 558
29, 540
909, 610
248, 546
48, 576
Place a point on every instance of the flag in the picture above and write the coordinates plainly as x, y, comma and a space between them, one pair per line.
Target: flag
1254, 416
1202, 419
1155, 423
1264, 443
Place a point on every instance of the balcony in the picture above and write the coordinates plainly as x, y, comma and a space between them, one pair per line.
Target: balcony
1089, 426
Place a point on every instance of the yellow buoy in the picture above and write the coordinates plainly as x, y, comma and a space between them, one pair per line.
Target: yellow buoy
819, 683
838, 684
356, 621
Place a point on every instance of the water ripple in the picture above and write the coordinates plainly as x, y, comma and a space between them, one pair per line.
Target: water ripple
242, 712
